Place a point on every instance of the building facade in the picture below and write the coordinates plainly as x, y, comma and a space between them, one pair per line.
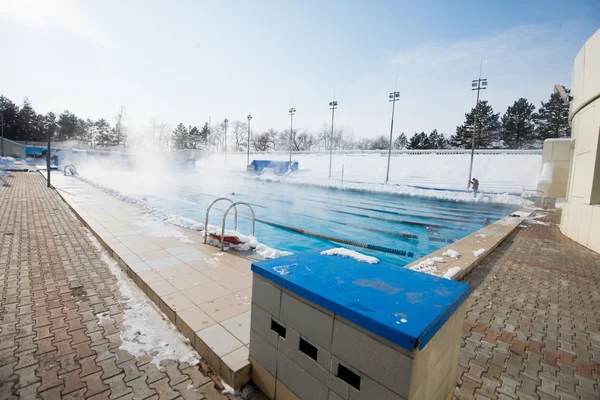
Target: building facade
581, 212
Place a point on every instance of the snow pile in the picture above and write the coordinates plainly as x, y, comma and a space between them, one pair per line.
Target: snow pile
479, 252
452, 272
400, 190
428, 266
249, 242
6, 163
545, 177
342, 252
533, 220
267, 252
145, 330
451, 253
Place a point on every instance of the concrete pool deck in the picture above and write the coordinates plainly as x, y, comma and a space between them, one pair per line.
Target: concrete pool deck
471, 250
203, 291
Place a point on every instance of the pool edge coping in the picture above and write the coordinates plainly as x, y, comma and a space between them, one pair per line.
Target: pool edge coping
487, 238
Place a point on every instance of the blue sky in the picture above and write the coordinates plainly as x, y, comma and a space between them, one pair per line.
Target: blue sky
187, 60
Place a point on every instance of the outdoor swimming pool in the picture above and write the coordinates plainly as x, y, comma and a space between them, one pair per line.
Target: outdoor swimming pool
405, 229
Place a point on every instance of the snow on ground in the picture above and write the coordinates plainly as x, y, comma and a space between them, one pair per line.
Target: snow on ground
267, 252
145, 329
479, 252
451, 253
160, 229
160, 215
496, 172
342, 252
452, 272
428, 265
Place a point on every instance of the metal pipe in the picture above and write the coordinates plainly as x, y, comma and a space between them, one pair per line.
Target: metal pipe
48, 158
234, 205
248, 157
331, 138
208, 211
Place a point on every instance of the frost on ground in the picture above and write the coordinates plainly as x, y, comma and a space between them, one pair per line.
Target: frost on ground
428, 266
479, 252
533, 220
160, 229
342, 252
451, 253
452, 272
145, 329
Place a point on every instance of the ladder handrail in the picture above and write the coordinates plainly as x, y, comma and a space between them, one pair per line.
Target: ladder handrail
208, 211
70, 165
543, 202
234, 205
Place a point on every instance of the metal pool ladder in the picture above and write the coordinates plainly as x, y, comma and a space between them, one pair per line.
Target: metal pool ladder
234, 206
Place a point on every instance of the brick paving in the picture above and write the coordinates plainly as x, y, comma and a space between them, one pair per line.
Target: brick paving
533, 320
52, 285
532, 328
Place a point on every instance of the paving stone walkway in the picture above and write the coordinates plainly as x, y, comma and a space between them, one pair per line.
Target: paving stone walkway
53, 285
533, 320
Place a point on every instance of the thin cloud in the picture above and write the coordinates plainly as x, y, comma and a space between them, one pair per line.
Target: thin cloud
529, 41
65, 14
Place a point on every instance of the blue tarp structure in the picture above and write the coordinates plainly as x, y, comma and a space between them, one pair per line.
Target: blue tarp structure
278, 167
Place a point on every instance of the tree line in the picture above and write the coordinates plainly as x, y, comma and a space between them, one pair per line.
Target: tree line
520, 127
23, 123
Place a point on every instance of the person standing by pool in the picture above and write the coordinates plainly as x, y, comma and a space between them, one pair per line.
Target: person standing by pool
475, 183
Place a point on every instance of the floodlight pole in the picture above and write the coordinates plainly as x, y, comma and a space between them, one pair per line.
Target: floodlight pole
48, 159
292, 112
2, 130
248, 158
477, 84
394, 97
332, 105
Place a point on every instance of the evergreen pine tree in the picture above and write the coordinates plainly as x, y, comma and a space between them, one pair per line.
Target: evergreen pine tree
180, 137
194, 137
67, 126
419, 141
102, 133
488, 129
401, 142
10, 111
518, 130
27, 122
552, 119
437, 140
204, 135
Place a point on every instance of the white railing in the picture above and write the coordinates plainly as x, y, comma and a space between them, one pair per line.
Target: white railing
395, 152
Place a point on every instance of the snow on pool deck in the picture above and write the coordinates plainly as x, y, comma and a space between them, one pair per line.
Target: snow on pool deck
455, 261
204, 292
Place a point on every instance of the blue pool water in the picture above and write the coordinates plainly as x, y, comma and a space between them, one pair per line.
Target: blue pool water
392, 222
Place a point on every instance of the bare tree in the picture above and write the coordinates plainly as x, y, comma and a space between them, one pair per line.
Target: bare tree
239, 132
262, 142
304, 141
161, 133
364, 144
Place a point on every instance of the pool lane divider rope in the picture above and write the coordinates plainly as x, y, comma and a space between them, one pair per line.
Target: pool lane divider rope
409, 236
399, 252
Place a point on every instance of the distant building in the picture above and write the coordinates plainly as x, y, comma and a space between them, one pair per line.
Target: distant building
581, 212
